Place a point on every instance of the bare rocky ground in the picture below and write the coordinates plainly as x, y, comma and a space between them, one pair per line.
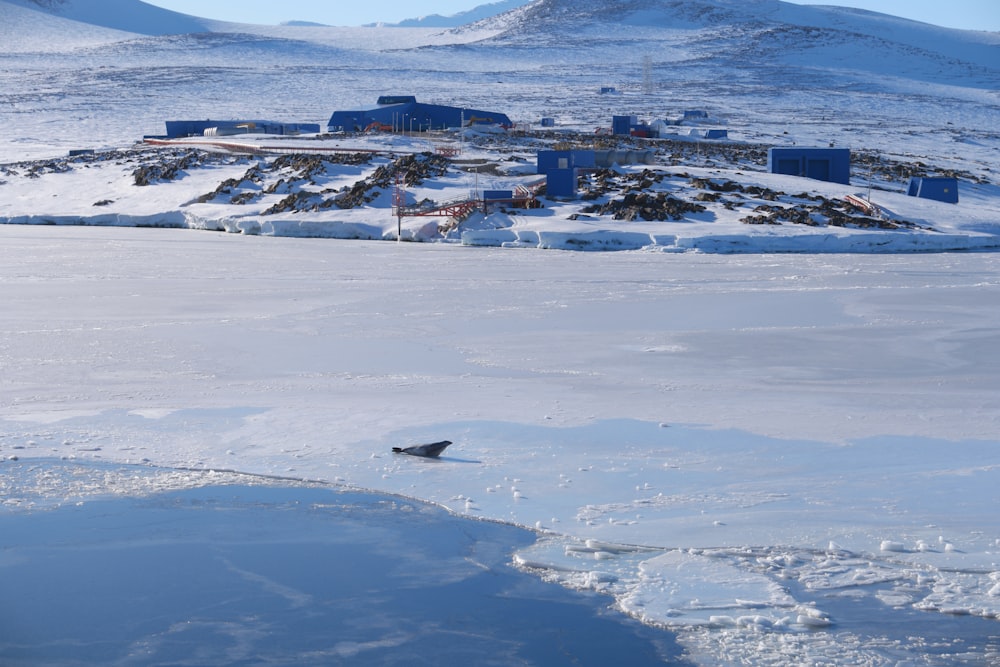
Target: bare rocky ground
660, 192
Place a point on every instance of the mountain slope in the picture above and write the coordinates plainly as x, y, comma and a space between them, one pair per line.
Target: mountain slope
126, 15
753, 36
25, 28
461, 18
544, 15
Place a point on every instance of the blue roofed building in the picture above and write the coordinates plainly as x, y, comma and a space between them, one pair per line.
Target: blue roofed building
196, 128
404, 114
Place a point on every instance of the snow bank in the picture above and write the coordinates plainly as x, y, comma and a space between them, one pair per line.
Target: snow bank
733, 243
585, 240
167, 219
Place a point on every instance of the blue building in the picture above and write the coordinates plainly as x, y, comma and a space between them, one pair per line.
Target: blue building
631, 126
712, 133
938, 188
561, 183
404, 113
621, 126
561, 170
197, 128
823, 164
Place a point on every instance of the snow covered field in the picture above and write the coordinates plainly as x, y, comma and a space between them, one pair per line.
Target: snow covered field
752, 421
762, 452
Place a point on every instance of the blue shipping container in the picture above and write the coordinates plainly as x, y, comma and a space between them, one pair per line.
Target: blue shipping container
561, 183
937, 188
823, 164
498, 195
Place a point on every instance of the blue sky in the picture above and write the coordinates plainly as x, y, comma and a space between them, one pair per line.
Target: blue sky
970, 14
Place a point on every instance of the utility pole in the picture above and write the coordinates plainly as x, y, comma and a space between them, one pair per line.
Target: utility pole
871, 174
398, 202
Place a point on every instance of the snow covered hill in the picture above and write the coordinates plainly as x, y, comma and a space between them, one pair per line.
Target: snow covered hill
125, 15
750, 36
461, 18
23, 28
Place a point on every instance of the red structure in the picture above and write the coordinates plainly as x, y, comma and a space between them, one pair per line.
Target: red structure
458, 208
